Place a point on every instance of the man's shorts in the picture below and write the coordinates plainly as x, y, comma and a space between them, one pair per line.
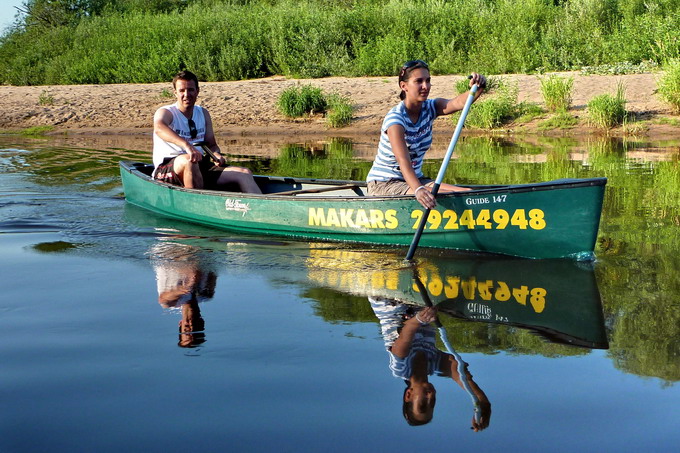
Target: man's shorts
211, 172
392, 187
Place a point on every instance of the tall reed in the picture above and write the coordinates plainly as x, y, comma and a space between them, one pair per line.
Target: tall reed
556, 92
606, 110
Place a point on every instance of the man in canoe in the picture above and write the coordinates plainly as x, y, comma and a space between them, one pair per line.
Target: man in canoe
410, 341
177, 158
406, 135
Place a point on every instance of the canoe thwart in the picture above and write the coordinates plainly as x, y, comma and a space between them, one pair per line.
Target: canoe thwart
317, 190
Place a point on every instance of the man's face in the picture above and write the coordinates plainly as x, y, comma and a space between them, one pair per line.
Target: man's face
186, 93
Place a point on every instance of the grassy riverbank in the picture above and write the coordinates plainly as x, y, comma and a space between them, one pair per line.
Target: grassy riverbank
233, 40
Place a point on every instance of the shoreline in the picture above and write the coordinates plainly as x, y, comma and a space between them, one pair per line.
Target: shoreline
247, 109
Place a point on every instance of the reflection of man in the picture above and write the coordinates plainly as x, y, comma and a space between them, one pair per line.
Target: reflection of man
410, 341
182, 284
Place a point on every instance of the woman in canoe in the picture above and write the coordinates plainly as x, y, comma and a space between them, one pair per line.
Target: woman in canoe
406, 135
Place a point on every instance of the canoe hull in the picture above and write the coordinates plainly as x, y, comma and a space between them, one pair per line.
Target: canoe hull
559, 219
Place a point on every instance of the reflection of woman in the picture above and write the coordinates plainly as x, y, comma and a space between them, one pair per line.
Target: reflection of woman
410, 341
182, 283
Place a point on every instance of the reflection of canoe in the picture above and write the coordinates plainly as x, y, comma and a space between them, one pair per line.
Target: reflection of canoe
558, 299
546, 220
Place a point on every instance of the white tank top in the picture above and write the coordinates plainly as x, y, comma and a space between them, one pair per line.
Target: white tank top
179, 124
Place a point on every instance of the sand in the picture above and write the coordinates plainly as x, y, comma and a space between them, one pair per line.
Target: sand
248, 108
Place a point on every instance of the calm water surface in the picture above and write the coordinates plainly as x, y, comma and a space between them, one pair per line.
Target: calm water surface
285, 350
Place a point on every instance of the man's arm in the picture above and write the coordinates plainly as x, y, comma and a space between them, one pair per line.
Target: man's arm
161, 127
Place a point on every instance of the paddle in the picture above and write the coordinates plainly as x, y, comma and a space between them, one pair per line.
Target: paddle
445, 339
206, 148
442, 170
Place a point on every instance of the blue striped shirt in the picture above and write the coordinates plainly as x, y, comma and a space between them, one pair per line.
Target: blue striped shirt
418, 140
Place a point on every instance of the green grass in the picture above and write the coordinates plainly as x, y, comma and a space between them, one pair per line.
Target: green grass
528, 111
305, 100
37, 130
606, 111
562, 120
668, 121
45, 98
340, 110
668, 85
556, 92
301, 100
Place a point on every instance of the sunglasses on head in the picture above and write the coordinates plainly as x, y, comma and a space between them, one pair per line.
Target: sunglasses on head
412, 64
192, 128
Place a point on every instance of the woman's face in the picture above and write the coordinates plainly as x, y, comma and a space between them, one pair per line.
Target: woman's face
417, 86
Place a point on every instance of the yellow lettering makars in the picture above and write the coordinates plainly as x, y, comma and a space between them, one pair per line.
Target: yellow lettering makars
353, 218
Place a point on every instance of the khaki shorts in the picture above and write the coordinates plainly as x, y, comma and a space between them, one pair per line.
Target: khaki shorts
392, 187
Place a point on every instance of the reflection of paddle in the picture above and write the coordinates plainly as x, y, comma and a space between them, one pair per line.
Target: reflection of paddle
206, 148
445, 339
442, 170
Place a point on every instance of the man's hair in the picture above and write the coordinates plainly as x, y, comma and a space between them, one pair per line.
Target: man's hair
185, 75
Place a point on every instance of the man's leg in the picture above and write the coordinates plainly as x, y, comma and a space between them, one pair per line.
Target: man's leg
188, 172
241, 176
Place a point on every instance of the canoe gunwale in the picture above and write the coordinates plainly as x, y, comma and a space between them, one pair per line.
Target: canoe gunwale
134, 168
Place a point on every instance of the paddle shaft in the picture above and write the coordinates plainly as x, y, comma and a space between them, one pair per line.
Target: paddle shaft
442, 171
445, 339
209, 151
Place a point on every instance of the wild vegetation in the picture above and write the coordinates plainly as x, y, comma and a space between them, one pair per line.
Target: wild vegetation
106, 41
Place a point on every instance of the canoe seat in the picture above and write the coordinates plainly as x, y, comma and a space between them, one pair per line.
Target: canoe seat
318, 190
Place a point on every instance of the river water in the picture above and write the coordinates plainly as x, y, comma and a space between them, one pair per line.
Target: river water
127, 330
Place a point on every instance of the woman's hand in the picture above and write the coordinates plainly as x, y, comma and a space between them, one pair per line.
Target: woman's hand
479, 80
425, 197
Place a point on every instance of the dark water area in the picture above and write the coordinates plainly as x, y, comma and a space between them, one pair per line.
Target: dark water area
126, 330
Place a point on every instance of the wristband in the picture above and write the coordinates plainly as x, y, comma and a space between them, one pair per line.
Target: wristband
421, 322
416, 191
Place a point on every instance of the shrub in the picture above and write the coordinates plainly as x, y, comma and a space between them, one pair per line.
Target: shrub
607, 111
297, 101
556, 92
668, 85
340, 110
495, 110
45, 98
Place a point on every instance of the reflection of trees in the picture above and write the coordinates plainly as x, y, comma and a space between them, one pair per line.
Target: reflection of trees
643, 310
330, 160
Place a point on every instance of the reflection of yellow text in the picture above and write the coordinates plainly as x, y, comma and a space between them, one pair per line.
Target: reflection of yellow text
353, 218
339, 269
488, 290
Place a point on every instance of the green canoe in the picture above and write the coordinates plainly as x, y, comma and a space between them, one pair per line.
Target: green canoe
556, 219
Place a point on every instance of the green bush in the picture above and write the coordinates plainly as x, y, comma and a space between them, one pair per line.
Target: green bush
556, 92
606, 111
495, 110
301, 100
668, 86
340, 110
